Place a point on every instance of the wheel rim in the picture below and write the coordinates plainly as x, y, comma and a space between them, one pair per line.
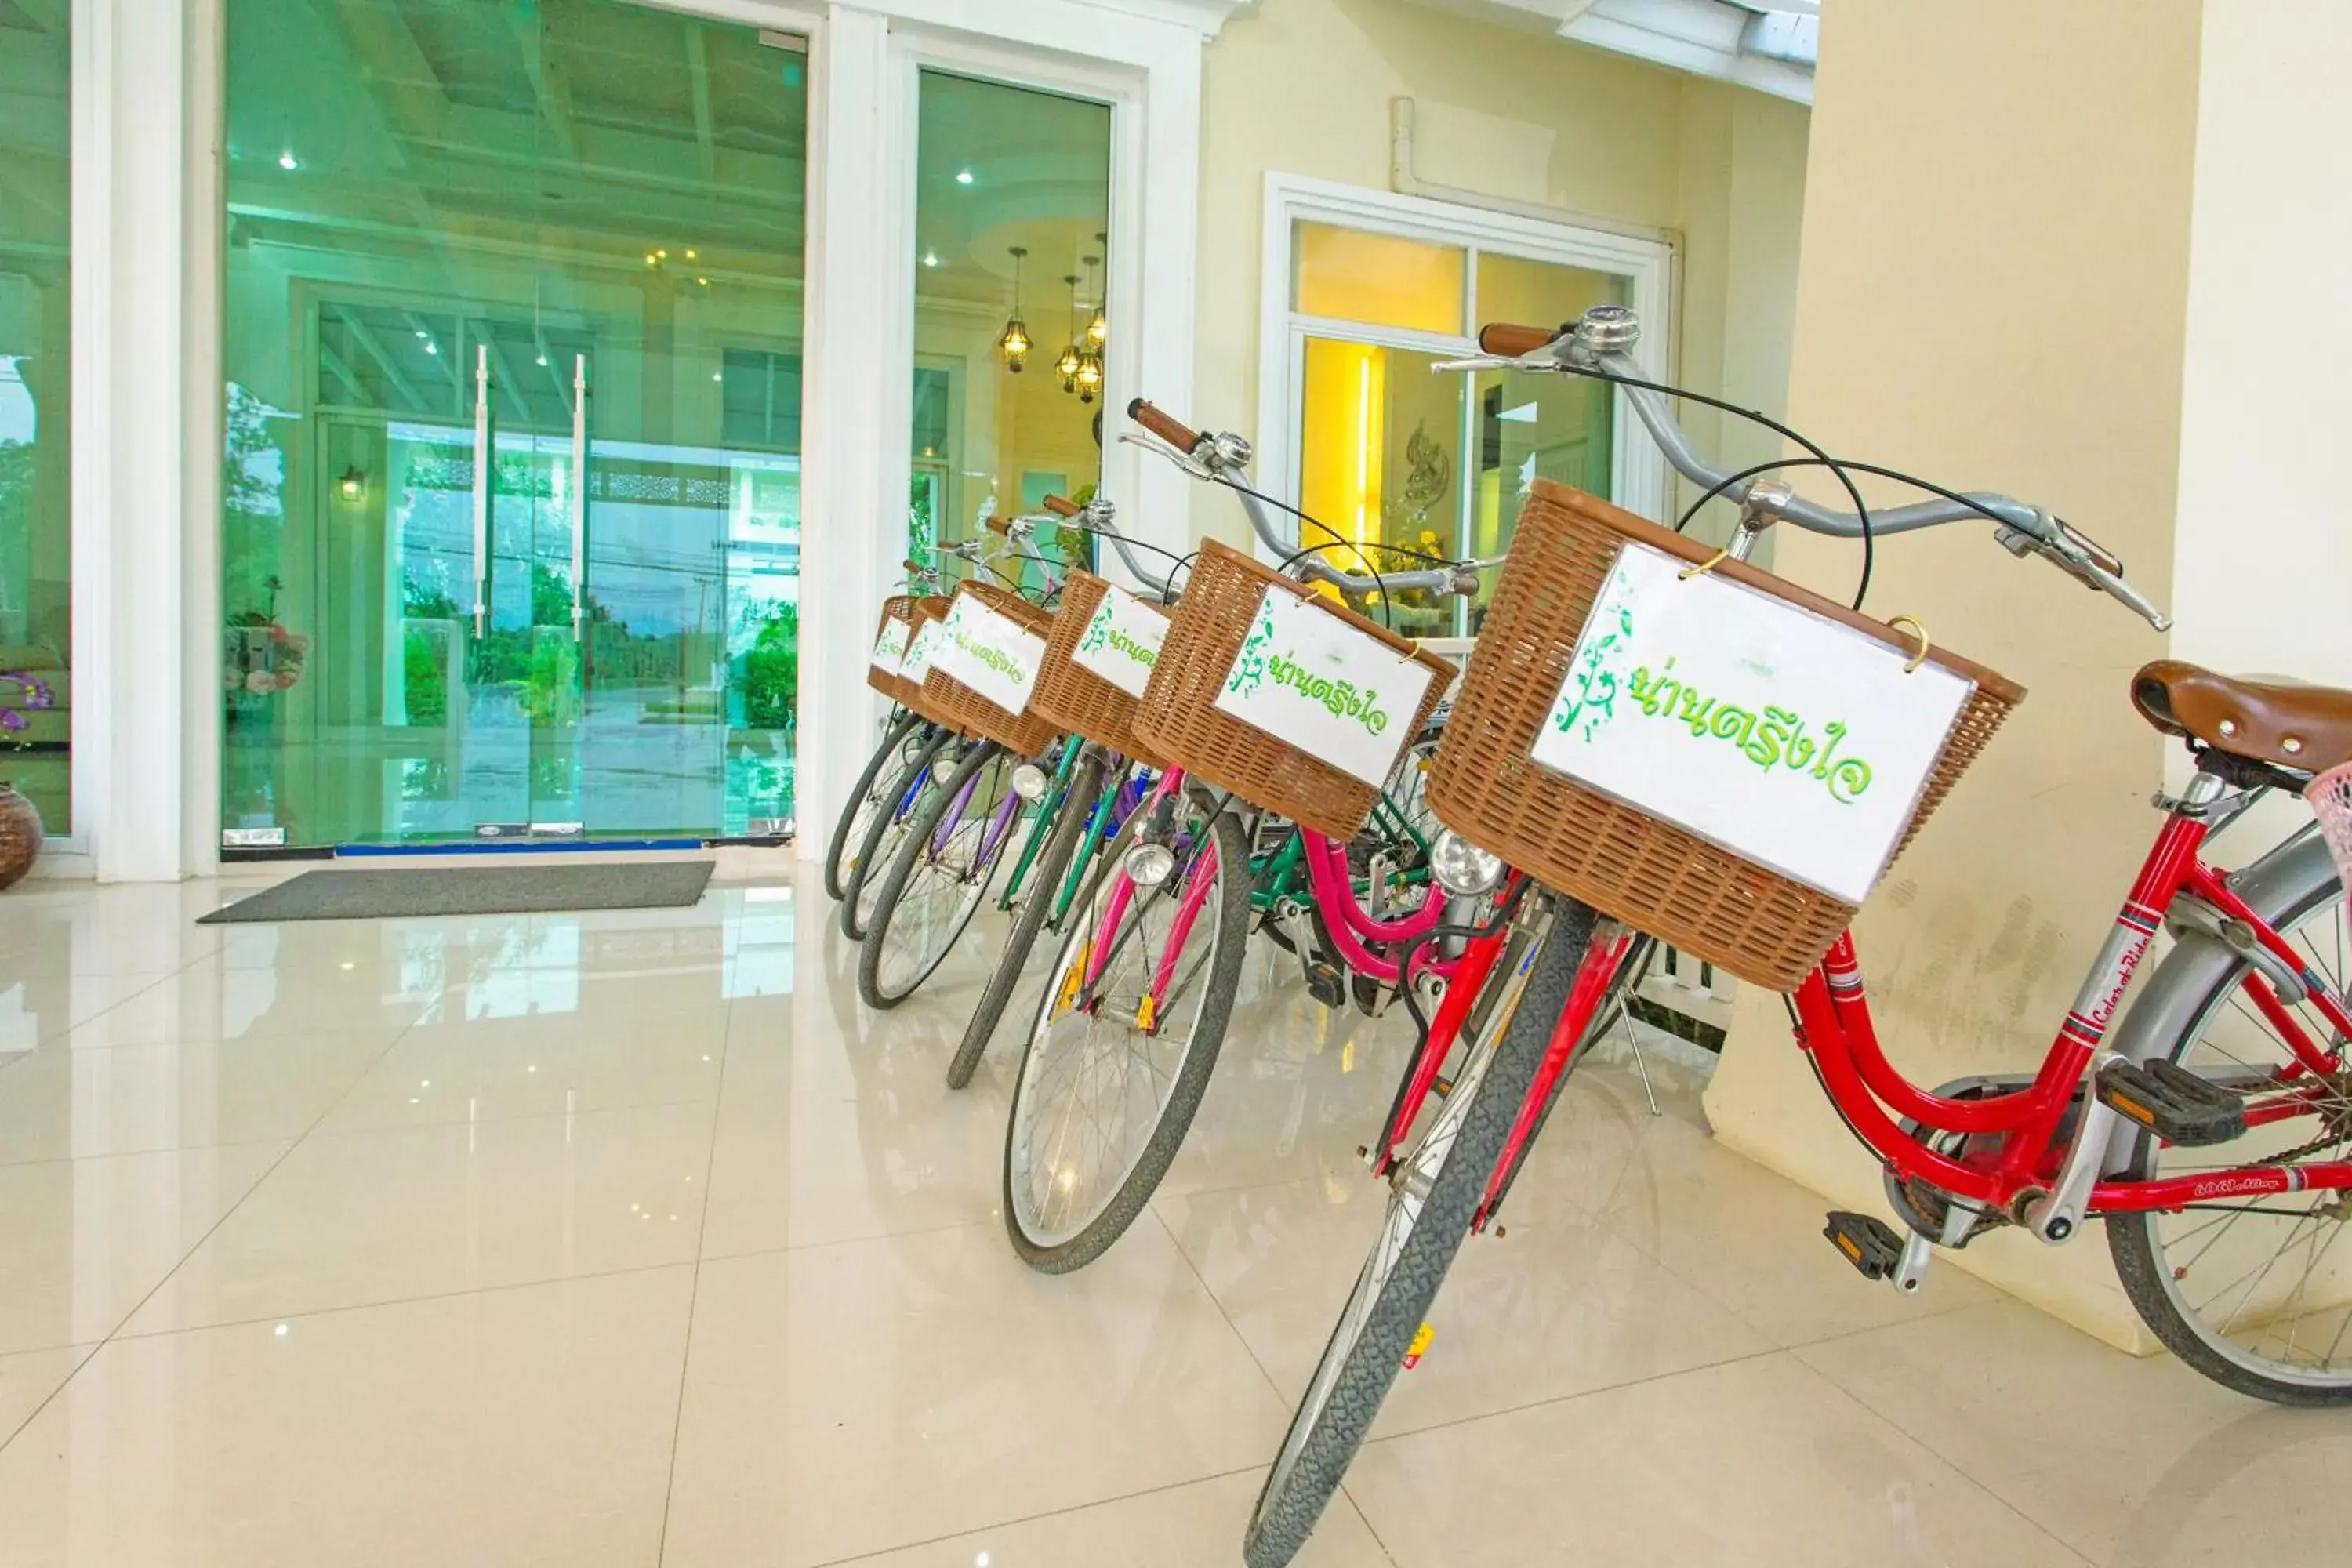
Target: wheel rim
1093, 1086
885, 847
949, 878
2267, 1283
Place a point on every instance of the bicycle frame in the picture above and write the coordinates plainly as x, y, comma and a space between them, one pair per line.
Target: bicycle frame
2017, 1157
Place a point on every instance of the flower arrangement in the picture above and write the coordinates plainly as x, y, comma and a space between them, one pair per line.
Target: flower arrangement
32, 696
263, 658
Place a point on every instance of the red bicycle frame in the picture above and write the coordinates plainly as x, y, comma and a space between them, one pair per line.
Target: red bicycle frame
2018, 1140
2016, 1152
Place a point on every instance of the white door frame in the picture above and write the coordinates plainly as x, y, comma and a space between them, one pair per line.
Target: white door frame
1641, 478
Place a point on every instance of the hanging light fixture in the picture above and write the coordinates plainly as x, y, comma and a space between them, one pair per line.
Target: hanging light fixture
1091, 375
1098, 329
1013, 342
1067, 366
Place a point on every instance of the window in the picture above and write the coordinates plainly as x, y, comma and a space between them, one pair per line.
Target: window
35, 534
1395, 461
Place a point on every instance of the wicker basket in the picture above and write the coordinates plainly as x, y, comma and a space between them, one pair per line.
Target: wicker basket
1178, 720
1076, 698
1024, 735
908, 694
1704, 900
897, 612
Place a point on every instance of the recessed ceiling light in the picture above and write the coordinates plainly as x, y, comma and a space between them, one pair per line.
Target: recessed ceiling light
931, 258
286, 160
963, 176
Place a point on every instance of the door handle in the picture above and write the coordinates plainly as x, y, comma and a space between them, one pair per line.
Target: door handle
579, 489
481, 488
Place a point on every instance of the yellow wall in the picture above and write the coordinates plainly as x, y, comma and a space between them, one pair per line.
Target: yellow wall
1993, 289
1304, 86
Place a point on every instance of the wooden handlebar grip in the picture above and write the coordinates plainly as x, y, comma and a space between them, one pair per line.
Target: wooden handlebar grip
1061, 508
1162, 425
1506, 341
998, 525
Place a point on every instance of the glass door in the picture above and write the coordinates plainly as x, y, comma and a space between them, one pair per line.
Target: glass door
512, 339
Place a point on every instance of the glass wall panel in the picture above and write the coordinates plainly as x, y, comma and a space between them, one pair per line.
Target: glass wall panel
1011, 206
512, 342
36, 533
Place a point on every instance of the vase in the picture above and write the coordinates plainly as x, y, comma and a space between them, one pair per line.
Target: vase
20, 837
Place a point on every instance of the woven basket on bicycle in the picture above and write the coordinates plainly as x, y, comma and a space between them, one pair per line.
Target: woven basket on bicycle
1024, 735
897, 624
1655, 877
908, 694
1178, 720
1074, 697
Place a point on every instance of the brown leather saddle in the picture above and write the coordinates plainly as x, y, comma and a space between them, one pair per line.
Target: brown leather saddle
2303, 729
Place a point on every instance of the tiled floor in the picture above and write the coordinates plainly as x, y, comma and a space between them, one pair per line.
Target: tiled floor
631, 1238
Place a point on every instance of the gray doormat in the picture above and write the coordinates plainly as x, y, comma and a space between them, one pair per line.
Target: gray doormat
470, 890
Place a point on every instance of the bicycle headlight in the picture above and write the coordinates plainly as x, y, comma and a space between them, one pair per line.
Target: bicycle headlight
1029, 782
1462, 868
1148, 865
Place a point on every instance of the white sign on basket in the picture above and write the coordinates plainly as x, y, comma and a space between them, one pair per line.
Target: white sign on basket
1310, 679
991, 652
1787, 737
920, 652
890, 647
1121, 642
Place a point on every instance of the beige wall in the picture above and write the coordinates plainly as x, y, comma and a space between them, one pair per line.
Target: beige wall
1304, 86
1993, 288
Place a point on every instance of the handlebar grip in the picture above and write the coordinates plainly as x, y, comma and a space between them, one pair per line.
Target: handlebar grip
1505, 340
1000, 526
1061, 508
1163, 425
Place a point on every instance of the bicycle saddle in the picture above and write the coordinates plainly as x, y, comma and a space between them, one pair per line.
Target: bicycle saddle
2304, 728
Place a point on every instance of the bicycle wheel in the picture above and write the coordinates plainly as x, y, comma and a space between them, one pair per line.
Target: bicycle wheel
1434, 1194
861, 886
1074, 818
866, 799
941, 875
2255, 1292
1109, 1084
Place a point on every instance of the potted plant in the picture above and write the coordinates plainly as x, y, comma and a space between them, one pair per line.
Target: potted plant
20, 824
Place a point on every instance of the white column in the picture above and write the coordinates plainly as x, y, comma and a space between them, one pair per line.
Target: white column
132, 714
851, 517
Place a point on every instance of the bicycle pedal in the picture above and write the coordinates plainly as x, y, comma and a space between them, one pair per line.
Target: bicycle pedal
1867, 1242
1327, 984
2174, 1103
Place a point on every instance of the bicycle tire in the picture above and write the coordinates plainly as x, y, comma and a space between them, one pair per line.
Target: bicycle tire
915, 852
1294, 1497
1046, 875
866, 795
1191, 1080
853, 885
2132, 1242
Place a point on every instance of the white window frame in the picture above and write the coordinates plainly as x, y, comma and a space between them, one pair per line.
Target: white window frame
1639, 478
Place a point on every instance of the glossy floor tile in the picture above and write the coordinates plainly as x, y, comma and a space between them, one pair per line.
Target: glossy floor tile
504, 1426
632, 1237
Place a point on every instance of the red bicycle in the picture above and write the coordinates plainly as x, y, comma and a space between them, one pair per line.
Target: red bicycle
2209, 1127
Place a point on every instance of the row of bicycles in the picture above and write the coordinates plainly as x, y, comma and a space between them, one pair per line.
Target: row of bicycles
1651, 741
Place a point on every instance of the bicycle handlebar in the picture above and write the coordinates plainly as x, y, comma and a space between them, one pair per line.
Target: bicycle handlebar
1222, 457
1596, 346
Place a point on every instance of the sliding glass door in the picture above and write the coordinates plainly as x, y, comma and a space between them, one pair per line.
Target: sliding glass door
512, 528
